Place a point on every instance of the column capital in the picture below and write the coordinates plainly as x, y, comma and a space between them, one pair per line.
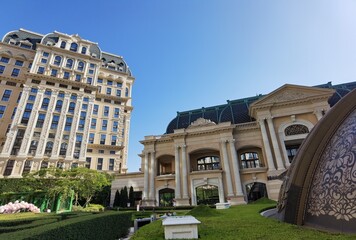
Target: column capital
223, 140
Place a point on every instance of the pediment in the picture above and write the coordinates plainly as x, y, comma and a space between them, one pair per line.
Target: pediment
288, 93
291, 94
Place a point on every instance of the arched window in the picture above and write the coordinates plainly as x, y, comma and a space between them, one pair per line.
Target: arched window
74, 47
81, 66
296, 129
250, 160
71, 107
59, 105
69, 63
49, 147
84, 50
63, 44
57, 60
33, 147
208, 163
45, 104
63, 149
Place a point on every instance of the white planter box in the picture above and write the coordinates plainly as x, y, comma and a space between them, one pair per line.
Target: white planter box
180, 227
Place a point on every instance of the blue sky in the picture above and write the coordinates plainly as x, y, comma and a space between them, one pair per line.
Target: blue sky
192, 54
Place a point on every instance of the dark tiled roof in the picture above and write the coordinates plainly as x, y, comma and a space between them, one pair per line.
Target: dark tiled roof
23, 36
236, 111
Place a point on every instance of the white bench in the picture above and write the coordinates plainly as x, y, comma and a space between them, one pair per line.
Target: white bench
176, 227
222, 205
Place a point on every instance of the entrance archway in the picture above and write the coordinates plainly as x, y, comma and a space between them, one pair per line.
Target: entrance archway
207, 194
256, 191
166, 196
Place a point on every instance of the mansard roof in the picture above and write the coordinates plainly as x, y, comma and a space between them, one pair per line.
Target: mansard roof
237, 111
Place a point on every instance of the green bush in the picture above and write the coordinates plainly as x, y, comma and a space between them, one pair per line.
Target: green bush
108, 225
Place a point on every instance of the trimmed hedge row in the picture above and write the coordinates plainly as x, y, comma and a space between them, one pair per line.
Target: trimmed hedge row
107, 225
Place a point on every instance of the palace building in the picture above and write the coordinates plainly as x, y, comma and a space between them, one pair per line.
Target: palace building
63, 103
236, 152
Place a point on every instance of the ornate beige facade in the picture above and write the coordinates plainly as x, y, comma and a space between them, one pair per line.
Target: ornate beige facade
64, 103
230, 153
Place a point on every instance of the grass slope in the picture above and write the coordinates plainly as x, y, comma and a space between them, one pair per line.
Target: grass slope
242, 222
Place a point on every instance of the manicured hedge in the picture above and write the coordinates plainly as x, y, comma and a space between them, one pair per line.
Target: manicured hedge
107, 225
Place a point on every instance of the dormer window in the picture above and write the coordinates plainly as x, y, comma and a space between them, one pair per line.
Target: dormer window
26, 44
84, 50
63, 44
74, 47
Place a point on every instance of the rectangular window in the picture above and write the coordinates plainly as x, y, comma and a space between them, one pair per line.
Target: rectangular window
88, 162
117, 112
78, 77
13, 113
115, 126
112, 152
19, 97
118, 92
45, 54
19, 63
93, 123
102, 138
84, 106
68, 124
55, 121
54, 72
2, 69
91, 71
91, 138
15, 72
108, 91
99, 166
65, 137
89, 150
100, 80
95, 109
82, 120
113, 140
78, 141
92, 65
89, 80
4, 59
43, 60
27, 113
109, 82
40, 70
66, 75
106, 111
119, 85
6, 95
111, 164
104, 125
30, 65
40, 120
2, 110
101, 151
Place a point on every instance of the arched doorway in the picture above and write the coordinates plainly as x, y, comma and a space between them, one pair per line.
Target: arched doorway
256, 191
166, 196
207, 194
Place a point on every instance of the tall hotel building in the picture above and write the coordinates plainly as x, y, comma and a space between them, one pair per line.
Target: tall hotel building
63, 103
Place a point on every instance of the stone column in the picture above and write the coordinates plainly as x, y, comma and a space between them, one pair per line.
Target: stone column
61, 125
31, 123
277, 151
152, 176
230, 192
184, 172
236, 168
46, 125
72, 136
83, 148
266, 145
11, 135
177, 173
145, 182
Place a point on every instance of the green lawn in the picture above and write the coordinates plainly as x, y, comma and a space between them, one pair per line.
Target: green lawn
241, 222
